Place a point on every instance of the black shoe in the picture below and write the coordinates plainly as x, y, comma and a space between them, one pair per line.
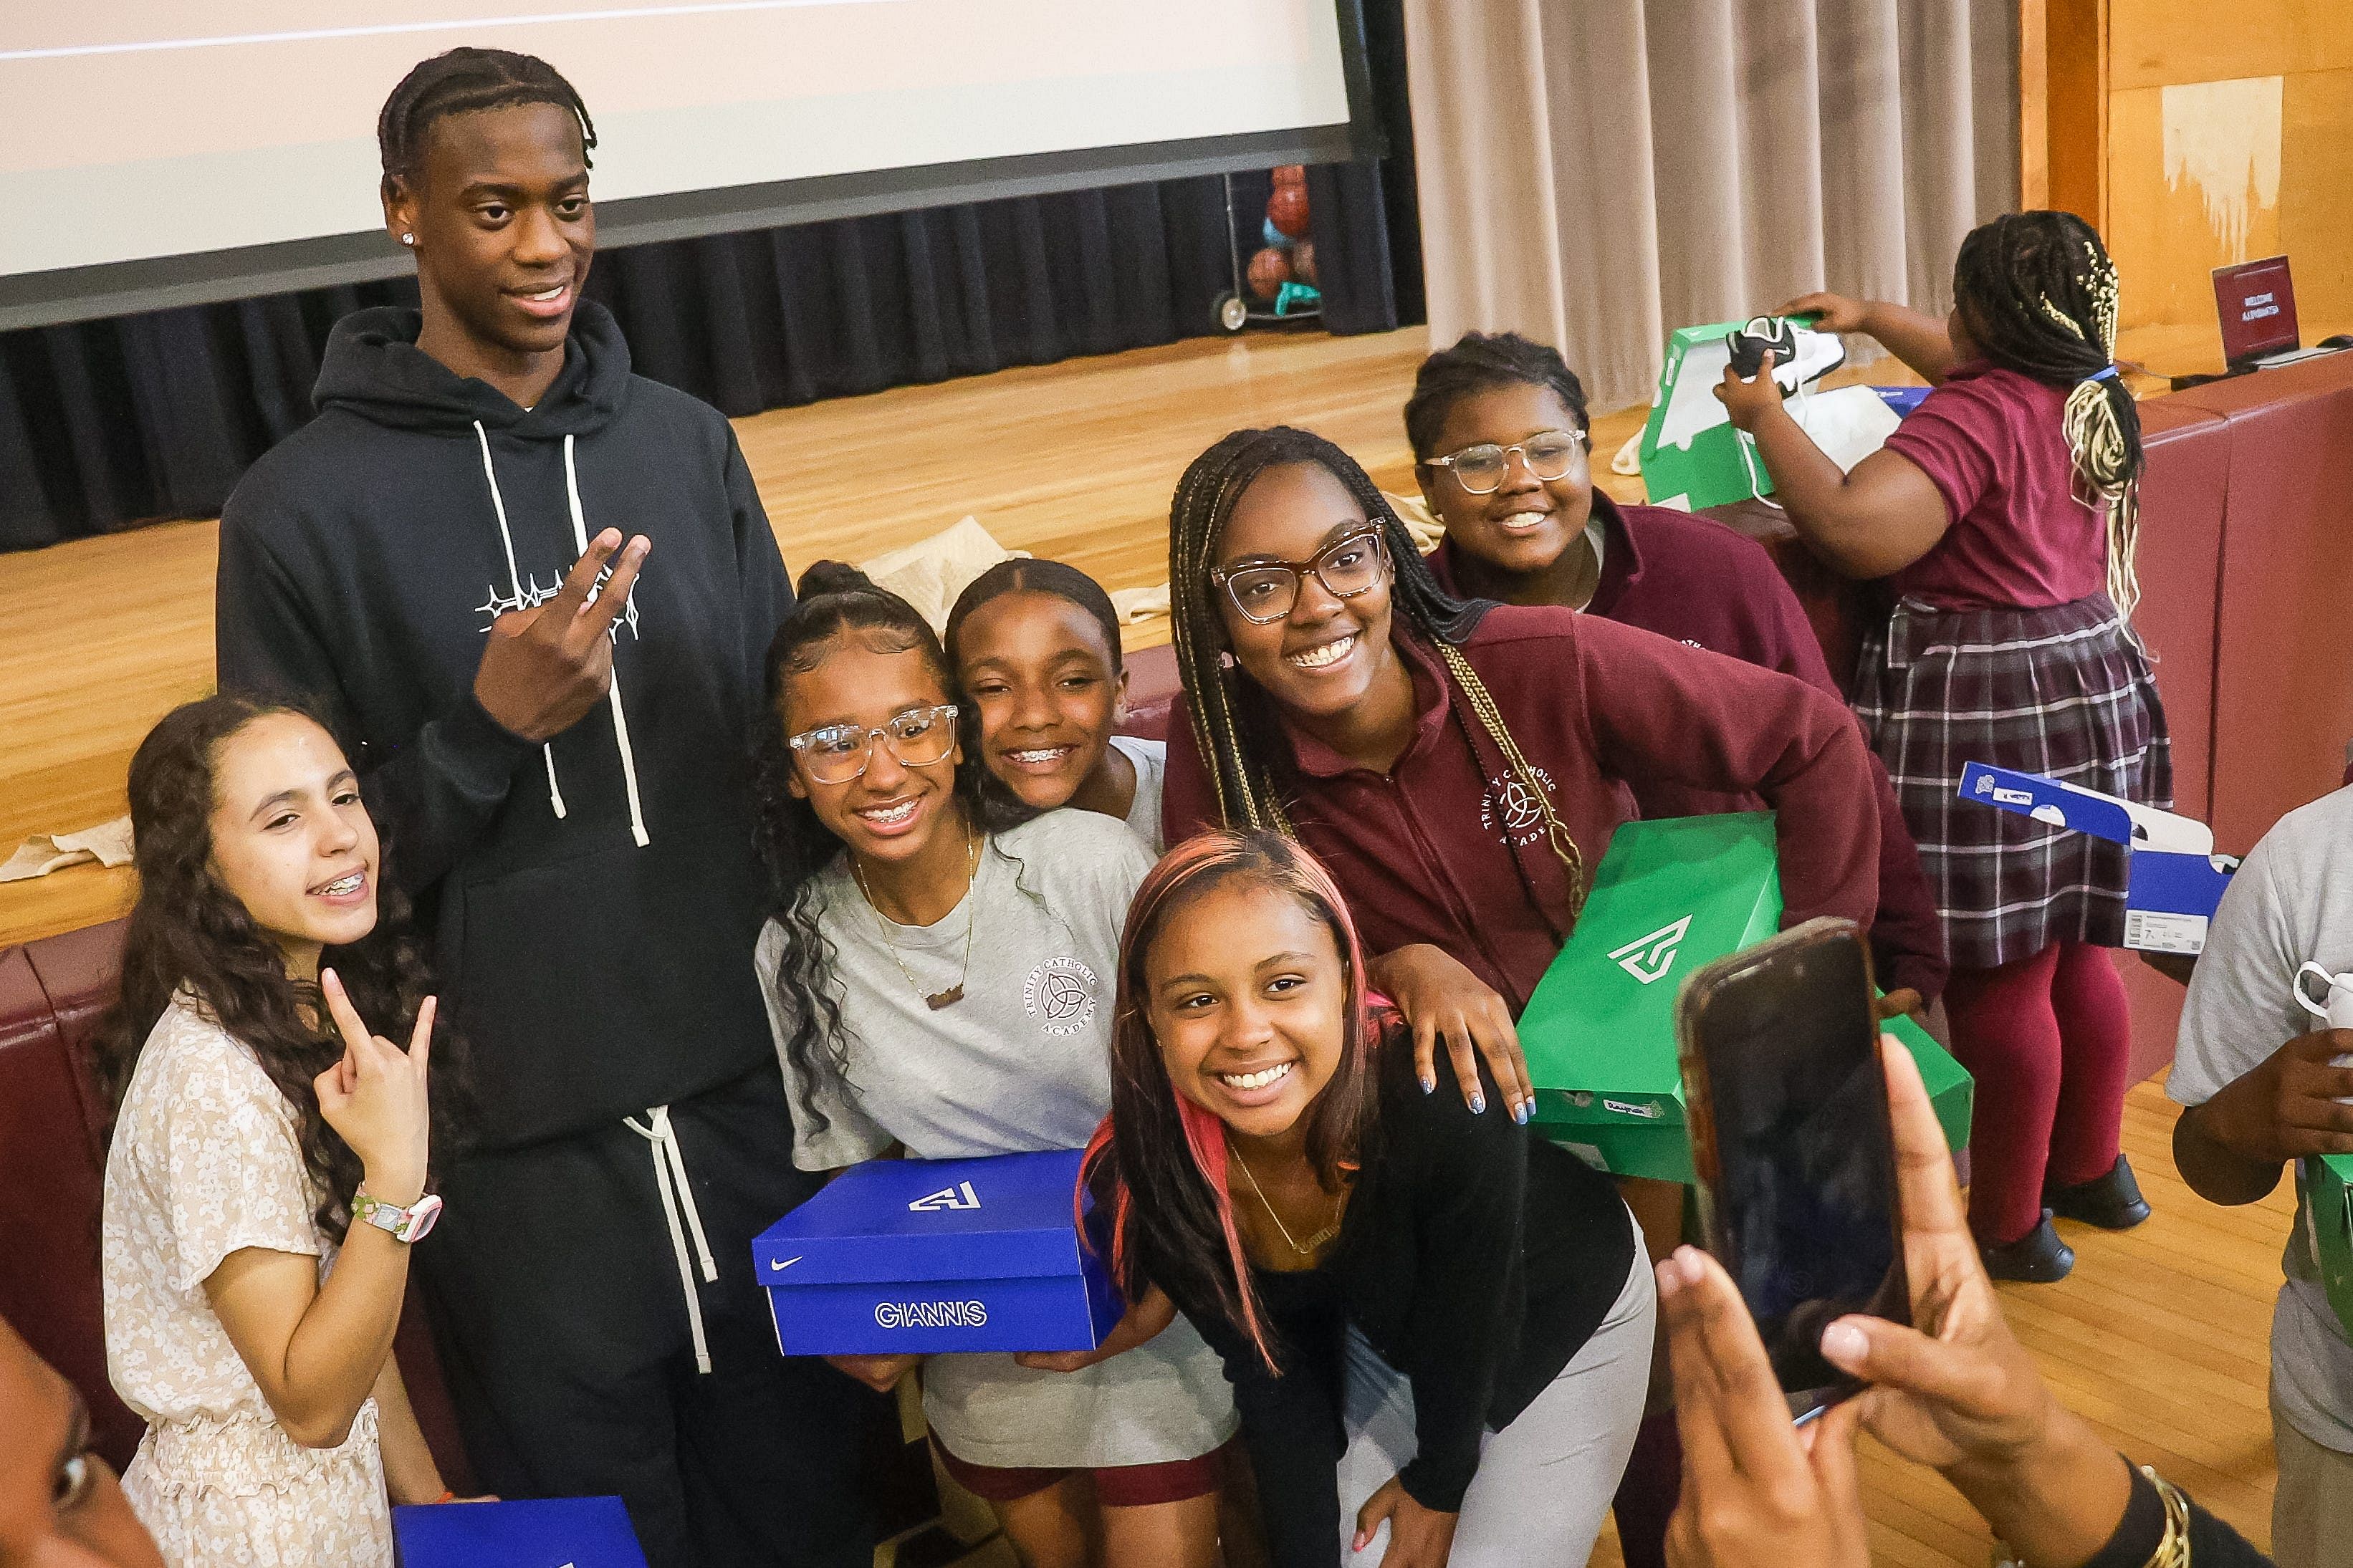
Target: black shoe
2112, 1201
2038, 1258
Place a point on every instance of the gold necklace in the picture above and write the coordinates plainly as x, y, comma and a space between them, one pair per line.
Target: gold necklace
1304, 1249
934, 1000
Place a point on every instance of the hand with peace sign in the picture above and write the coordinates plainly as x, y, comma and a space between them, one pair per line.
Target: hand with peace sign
545, 668
376, 1098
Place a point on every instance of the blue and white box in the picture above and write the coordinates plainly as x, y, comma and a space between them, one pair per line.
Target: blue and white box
920, 1256
2177, 879
573, 1533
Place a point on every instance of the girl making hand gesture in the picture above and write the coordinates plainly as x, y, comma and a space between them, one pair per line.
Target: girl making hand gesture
271, 1155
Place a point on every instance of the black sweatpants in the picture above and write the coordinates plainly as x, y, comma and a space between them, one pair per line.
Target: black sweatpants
562, 1328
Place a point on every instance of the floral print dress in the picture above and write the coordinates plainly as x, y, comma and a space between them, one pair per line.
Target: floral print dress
206, 1161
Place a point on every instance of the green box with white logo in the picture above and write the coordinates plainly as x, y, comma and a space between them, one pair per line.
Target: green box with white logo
1669, 897
2325, 1185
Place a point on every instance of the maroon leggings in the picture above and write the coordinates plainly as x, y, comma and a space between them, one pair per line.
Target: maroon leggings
2048, 1038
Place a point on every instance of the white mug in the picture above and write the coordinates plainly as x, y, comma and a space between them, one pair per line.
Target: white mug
2336, 1011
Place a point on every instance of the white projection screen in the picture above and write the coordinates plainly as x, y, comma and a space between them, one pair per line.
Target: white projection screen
159, 152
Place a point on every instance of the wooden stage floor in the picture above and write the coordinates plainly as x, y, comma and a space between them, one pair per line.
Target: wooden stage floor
2159, 1336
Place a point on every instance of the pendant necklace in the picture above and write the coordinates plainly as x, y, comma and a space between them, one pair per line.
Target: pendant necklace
1304, 1249
934, 1000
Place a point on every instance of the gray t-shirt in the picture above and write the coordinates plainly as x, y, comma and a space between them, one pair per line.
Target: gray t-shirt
2291, 902
1021, 1062
1151, 760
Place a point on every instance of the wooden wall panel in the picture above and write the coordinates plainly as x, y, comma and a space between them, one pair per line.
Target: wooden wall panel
2193, 184
2154, 42
2316, 203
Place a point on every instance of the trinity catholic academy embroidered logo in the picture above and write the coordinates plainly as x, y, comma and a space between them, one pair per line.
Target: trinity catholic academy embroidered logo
1510, 811
1061, 994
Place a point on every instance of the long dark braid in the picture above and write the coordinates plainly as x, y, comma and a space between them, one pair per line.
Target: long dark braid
2039, 294
466, 81
1233, 726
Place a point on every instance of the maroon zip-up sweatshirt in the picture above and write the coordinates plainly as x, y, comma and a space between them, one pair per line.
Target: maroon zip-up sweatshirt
1443, 849
1696, 581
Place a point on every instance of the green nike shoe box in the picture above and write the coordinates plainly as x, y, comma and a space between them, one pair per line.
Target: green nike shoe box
1669, 897
2326, 1183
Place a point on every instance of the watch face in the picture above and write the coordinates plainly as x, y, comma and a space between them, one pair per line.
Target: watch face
422, 1216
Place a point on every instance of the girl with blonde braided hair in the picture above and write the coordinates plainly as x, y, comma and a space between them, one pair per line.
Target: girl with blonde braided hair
1459, 765
2002, 514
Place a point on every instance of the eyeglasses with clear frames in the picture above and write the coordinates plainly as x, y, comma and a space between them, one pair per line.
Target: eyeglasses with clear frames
1267, 591
837, 753
1482, 470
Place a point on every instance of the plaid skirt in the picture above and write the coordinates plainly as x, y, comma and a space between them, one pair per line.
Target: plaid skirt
2065, 693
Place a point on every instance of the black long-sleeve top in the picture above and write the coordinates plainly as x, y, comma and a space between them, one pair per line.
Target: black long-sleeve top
1475, 1257
2212, 1543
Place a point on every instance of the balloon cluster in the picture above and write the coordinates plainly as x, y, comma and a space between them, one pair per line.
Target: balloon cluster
1286, 255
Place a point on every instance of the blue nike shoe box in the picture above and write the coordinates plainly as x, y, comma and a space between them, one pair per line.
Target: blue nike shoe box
572, 1532
2176, 879
920, 1256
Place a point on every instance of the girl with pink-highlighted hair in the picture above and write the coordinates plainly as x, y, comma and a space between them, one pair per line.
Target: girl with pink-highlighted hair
1438, 1326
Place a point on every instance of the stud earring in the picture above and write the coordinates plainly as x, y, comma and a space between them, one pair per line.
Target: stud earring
408, 239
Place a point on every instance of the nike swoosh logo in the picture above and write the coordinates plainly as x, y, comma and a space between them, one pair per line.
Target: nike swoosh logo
788, 1263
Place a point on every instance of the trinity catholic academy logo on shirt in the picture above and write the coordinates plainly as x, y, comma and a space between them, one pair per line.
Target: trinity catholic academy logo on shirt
1512, 812
1061, 994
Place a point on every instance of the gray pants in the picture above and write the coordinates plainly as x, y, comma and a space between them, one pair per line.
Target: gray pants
1544, 1481
2312, 1511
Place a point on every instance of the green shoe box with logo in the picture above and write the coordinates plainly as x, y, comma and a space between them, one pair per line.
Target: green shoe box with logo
1669, 897
2326, 1183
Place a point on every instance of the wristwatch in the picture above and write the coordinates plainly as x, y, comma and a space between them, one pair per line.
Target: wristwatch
407, 1225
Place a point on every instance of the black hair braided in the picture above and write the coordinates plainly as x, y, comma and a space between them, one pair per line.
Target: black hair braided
1479, 362
2038, 293
465, 81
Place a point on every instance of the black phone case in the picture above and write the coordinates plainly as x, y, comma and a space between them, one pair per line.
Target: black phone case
1700, 1114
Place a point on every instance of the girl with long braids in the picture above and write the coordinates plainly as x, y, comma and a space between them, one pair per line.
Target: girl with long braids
1458, 764
899, 1031
2002, 513
268, 1169
1438, 1328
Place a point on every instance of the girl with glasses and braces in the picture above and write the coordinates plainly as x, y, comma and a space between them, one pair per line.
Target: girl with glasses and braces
901, 1031
1458, 764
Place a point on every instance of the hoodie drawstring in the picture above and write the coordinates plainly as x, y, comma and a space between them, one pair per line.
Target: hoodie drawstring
678, 1200
514, 587
613, 689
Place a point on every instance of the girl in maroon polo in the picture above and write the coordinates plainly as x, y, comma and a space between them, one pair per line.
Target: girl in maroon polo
2002, 512
1458, 765
1537, 532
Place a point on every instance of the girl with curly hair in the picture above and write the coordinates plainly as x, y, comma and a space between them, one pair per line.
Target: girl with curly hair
901, 1031
264, 1137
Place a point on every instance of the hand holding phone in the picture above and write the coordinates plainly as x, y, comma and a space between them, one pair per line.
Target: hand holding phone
1793, 1144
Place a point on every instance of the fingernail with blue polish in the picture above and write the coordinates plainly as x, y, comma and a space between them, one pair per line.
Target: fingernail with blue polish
1429, 1085
1520, 1113
1479, 1102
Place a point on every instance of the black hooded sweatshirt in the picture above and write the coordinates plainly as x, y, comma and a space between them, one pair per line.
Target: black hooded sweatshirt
596, 900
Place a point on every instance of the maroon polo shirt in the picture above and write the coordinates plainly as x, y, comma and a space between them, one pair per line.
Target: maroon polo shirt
1696, 581
1439, 850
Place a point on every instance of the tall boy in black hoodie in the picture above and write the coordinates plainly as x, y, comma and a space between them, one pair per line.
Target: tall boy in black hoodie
557, 745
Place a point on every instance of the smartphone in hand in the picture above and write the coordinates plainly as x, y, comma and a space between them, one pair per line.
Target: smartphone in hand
1793, 1144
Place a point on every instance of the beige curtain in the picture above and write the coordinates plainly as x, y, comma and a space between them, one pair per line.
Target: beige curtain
1594, 173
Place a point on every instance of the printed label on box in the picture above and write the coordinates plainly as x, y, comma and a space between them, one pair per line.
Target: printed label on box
2146, 931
